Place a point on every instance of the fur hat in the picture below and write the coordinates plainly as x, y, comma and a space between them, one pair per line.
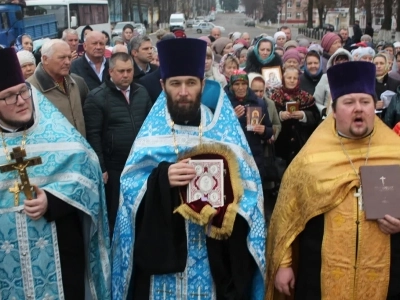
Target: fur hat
352, 77
26, 57
182, 57
278, 34
12, 73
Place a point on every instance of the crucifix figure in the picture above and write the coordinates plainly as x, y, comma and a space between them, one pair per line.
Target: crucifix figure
20, 165
16, 190
358, 195
383, 180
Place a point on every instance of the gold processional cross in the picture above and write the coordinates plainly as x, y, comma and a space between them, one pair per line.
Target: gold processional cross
20, 165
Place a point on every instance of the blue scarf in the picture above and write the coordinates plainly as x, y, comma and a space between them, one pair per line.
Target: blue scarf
270, 57
307, 72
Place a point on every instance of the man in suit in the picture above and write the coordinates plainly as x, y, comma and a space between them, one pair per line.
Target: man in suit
142, 54
93, 66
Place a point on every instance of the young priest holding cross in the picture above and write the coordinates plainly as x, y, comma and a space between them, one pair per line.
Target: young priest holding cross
54, 240
320, 214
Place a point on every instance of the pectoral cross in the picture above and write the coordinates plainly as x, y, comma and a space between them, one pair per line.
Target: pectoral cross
383, 180
20, 165
16, 190
358, 195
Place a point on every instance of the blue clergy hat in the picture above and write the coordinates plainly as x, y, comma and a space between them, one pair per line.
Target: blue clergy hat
352, 77
11, 74
182, 57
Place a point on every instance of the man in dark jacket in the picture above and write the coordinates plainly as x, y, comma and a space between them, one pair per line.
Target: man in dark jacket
114, 113
369, 30
92, 66
142, 52
357, 33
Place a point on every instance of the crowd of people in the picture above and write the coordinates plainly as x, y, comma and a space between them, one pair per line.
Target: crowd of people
118, 123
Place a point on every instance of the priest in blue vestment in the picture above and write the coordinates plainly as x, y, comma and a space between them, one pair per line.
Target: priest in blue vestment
54, 241
166, 244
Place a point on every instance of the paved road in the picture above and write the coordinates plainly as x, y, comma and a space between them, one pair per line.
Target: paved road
231, 22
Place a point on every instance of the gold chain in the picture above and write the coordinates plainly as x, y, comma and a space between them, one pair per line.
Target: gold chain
348, 157
5, 147
174, 136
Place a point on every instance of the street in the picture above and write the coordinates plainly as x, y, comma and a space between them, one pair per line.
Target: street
232, 22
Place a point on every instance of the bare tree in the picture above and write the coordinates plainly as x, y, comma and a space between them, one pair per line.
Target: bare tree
310, 10
397, 36
385, 33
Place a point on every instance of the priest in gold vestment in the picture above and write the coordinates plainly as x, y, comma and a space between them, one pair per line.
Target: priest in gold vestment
320, 245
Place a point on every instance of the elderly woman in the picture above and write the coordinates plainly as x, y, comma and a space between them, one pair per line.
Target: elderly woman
24, 42
330, 43
211, 69
243, 100
263, 55
298, 113
27, 62
221, 47
291, 59
280, 38
312, 72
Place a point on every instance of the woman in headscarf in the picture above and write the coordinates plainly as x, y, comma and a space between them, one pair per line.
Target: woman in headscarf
395, 73
298, 123
221, 47
228, 65
312, 72
263, 55
24, 42
211, 69
383, 81
241, 54
280, 38
366, 54
27, 62
243, 100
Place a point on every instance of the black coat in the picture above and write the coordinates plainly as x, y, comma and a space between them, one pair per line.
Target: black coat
139, 73
256, 141
308, 84
370, 31
152, 84
112, 124
81, 67
294, 134
253, 65
392, 116
357, 33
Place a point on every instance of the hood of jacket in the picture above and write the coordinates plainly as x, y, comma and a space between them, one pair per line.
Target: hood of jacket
338, 52
253, 76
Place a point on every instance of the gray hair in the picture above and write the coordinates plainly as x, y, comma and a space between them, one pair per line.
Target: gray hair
119, 56
366, 38
119, 48
67, 32
118, 40
48, 47
137, 41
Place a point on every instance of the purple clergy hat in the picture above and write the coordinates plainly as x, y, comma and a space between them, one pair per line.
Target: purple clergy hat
182, 57
11, 74
352, 77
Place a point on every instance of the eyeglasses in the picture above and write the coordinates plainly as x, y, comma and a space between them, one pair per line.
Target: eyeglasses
25, 94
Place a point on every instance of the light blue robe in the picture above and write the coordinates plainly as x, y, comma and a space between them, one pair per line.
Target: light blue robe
154, 144
29, 257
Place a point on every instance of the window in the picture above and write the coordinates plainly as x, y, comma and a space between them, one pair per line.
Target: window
379, 20
289, 15
298, 15
298, 4
90, 14
4, 21
59, 10
289, 4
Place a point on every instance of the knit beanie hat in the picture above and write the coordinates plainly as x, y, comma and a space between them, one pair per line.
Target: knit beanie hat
289, 44
291, 53
278, 34
303, 50
304, 43
328, 40
26, 57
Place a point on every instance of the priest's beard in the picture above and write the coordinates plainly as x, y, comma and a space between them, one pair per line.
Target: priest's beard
15, 124
181, 114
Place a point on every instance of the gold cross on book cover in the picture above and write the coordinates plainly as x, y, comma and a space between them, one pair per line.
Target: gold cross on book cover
20, 165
